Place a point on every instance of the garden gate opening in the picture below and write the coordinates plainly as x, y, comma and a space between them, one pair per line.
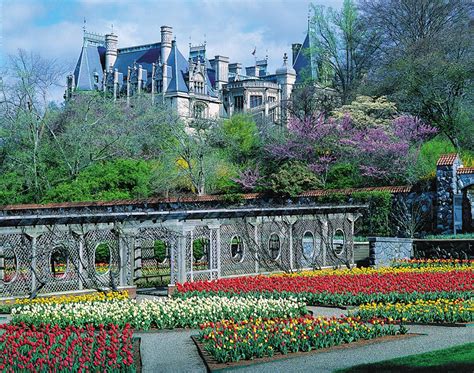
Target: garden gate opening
77, 246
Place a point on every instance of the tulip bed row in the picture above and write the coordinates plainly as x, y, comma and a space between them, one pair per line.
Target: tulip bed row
420, 311
54, 349
434, 263
173, 313
229, 340
342, 289
8, 305
413, 266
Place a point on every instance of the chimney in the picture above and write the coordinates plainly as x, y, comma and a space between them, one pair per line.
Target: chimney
295, 48
166, 38
235, 67
111, 41
222, 71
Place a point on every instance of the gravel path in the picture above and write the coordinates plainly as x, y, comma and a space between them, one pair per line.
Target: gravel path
174, 351
170, 351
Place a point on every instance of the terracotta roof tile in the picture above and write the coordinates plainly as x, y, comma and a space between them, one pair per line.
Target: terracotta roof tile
391, 189
446, 159
190, 199
465, 170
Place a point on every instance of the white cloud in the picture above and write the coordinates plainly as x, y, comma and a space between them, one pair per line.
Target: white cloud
231, 28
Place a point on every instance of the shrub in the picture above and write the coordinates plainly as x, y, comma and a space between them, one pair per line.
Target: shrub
292, 179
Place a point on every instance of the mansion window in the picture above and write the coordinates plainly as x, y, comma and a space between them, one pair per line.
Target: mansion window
199, 84
271, 99
159, 86
199, 111
239, 102
256, 101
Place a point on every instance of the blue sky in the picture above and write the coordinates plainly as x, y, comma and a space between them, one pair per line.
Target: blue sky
231, 28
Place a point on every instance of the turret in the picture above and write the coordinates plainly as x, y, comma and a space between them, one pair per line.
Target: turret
111, 42
166, 39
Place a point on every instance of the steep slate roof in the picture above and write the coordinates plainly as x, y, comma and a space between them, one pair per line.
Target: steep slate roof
302, 64
179, 66
145, 57
90, 61
447, 159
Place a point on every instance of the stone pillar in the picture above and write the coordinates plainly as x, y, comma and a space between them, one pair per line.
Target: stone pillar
291, 220
33, 238
126, 240
215, 250
79, 236
446, 189
257, 243
2, 263
325, 239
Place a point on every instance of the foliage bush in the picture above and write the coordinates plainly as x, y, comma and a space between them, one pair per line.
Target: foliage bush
199, 245
375, 221
111, 180
159, 249
343, 175
102, 253
292, 179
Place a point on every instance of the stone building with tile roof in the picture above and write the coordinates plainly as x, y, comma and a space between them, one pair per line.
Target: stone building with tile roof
196, 86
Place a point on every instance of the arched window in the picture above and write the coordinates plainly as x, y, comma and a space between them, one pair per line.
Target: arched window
274, 246
338, 242
237, 248
201, 251
308, 246
58, 262
102, 258
8, 271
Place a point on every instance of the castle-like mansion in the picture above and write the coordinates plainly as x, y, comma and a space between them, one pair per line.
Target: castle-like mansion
197, 87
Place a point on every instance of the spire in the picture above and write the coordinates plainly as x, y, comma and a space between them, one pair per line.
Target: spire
175, 67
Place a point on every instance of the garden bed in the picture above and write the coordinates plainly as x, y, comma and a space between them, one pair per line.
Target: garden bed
213, 365
344, 288
148, 314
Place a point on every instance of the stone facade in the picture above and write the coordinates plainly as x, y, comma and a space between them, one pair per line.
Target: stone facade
384, 250
452, 198
196, 87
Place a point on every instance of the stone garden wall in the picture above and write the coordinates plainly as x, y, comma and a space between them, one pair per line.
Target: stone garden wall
384, 250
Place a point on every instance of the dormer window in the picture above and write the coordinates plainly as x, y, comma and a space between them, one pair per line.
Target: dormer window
199, 84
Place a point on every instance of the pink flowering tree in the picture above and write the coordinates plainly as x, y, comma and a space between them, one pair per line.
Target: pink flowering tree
383, 153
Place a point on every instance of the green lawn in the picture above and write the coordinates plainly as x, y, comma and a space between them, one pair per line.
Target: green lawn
455, 359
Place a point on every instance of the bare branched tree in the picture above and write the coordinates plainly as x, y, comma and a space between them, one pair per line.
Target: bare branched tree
25, 101
409, 216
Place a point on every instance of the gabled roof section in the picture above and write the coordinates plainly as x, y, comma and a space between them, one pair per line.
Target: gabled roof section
447, 159
88, 65
302, 64
179, 66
